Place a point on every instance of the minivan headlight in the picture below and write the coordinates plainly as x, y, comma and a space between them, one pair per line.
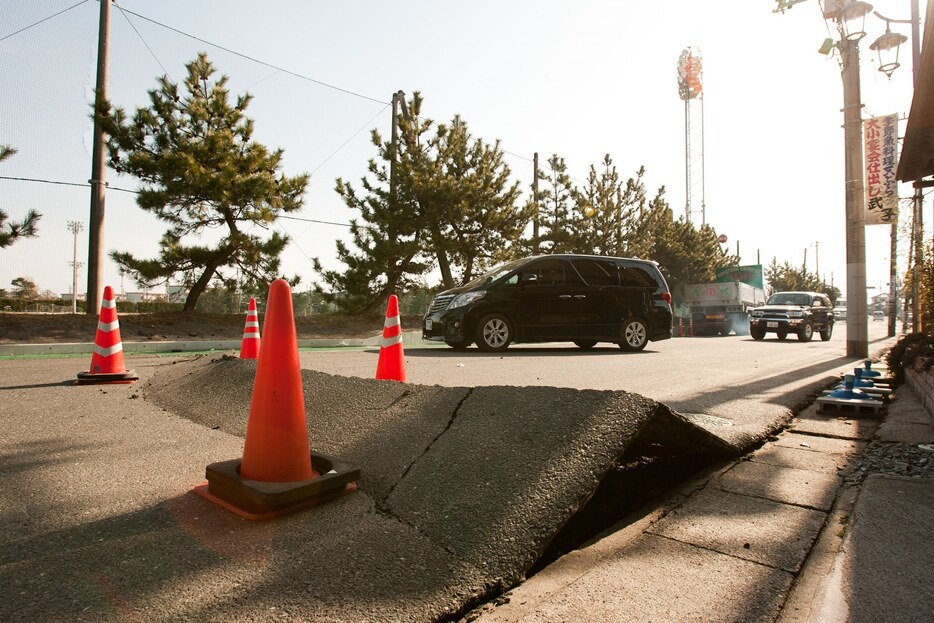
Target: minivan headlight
465, 299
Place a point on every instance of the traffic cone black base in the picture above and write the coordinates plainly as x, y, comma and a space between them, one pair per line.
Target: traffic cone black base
87, 378
256, 500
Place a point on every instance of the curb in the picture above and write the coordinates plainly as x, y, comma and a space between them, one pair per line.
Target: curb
410, 338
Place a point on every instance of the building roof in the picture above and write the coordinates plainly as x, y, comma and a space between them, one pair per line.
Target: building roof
917, 157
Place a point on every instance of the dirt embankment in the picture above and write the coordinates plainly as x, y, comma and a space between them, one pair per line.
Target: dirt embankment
32, 328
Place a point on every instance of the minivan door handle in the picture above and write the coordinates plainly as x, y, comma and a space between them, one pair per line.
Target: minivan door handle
564, 296
580, 296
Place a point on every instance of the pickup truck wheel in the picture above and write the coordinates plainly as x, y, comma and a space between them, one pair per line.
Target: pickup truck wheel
633, 335
806, 332
781, 335
826, 332
494, 333
757, 334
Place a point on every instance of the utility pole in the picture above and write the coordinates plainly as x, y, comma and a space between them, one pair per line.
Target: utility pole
394, 149
535, 201
98, 170
74, 227
817, 258
857, 330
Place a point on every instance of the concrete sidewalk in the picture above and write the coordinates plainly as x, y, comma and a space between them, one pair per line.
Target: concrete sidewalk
777, 536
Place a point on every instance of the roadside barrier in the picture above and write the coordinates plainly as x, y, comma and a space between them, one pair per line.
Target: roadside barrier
278, 473
391, 364
249, 348
107, 365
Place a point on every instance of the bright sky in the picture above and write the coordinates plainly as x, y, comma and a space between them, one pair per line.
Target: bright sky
579, 79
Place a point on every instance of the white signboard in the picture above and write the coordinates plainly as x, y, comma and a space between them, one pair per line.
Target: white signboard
881, 142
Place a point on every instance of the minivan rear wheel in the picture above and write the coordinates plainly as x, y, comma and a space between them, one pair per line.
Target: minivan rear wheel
494, 333
633, 335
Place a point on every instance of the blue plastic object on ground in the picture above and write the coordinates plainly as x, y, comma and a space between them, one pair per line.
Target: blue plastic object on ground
868, 372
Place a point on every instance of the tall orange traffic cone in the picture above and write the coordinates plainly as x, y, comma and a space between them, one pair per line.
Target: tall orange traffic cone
249, 347
275, 475
391, 364
107, 364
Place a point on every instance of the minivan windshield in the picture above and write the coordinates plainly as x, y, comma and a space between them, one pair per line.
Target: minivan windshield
497, 273
789, 298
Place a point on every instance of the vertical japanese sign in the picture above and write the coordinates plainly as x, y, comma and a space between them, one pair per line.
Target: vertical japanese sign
881, 142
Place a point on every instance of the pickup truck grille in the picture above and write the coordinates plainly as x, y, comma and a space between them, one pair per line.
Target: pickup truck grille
440, 303
775, 315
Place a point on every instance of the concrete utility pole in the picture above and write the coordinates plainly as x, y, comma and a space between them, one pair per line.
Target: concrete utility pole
394, 148
857, 329
98, 171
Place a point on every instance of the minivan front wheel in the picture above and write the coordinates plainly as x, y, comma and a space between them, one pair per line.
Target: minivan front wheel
633, 335
494, 333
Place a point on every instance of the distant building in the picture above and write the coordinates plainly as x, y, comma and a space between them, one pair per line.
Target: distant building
141, 297
176, 294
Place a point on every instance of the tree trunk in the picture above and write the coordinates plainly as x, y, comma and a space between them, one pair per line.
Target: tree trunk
443, 263
202, 283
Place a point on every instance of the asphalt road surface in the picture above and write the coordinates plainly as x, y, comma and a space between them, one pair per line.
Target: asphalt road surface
746, 382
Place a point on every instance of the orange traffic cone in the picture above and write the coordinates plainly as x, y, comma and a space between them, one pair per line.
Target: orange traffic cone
391, 364
249, 348
107, 364
276, 475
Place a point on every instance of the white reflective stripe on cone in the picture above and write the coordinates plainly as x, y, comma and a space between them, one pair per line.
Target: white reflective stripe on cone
109, 303
251, 336
107, 352
108, 327
386, 342
391, 322
252, 324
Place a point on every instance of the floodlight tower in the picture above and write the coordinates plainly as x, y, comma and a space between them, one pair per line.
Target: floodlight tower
690, 71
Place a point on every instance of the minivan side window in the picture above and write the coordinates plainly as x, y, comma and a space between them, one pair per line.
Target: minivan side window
547, 272
636, 276
597, 272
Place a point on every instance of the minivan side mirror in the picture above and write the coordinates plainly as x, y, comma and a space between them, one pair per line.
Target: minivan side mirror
528, 278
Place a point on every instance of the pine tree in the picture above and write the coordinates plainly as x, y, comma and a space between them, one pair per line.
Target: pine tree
785, 278
11, 232
470, 202
600, 207
200, 169
453, 208
556, 222
388, 236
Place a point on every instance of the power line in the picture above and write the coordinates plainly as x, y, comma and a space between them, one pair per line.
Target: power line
363, 127
60, 183
5, 37
122, 12
311, 220
256, 60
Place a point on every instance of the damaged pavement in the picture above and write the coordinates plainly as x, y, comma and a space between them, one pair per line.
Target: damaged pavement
462, 492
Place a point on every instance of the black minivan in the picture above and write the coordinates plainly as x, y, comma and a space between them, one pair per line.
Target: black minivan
583, 299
